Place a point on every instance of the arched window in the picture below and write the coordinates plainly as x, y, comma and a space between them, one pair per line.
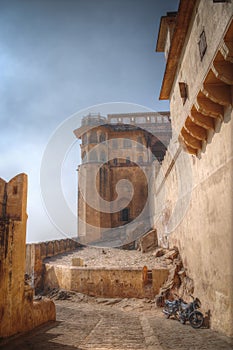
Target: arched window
93, 137
102, 137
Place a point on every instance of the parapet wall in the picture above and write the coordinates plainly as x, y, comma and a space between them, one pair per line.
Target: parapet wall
105, 282
18, 311
37, 252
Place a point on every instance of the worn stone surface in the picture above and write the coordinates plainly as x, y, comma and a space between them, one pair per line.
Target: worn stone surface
37, 252
108, 257
204, 227
130, 324
106, 282
18, 311
193, 193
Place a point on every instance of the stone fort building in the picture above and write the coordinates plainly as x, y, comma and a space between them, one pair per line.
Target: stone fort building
117, 156
182, 184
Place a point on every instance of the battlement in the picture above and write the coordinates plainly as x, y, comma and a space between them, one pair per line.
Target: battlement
13, 198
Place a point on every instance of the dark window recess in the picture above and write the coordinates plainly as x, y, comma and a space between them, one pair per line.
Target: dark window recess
202, 44
101, 180
115, 161
149, 277
183, 91
102, 137
15, 189
93, 137
221, 1
127, 160
125, 214
103, 177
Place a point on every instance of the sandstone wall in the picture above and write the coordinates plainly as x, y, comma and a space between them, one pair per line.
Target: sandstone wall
213, 18
18, 312
37, 252
192, 201
103, 282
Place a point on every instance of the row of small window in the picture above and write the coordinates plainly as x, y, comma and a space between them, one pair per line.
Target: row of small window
117, 161
93, 138
94, 158
140, 120
127, 143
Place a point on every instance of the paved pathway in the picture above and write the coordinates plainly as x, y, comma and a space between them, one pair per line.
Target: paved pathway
100, 326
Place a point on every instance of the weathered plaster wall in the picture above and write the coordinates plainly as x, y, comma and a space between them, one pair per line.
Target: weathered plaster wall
105, 282
213, 18
193, 211
18, 312
37, 252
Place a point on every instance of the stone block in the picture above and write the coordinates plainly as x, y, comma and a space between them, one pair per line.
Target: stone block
77, 262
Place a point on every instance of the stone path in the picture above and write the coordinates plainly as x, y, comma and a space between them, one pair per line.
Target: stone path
114, 325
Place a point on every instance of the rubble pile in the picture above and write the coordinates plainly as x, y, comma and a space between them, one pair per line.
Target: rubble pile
178, 284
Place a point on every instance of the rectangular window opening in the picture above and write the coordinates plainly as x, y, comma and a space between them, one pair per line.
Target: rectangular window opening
202, 44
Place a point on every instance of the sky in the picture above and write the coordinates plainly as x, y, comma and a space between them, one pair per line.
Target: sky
60, 59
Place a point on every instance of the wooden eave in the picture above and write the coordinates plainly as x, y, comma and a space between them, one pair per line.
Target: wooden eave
165, 22
184, 15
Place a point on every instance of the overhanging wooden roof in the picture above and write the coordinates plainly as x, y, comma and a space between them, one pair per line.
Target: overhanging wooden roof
184, 15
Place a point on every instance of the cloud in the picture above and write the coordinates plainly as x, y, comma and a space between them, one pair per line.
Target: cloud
57, 57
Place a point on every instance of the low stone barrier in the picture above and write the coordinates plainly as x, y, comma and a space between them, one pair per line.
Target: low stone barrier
105, 282
37, 252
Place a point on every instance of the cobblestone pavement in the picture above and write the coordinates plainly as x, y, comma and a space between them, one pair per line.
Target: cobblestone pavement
114, 324
110, 257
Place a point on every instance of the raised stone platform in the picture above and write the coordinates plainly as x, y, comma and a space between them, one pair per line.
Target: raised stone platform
106, 272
